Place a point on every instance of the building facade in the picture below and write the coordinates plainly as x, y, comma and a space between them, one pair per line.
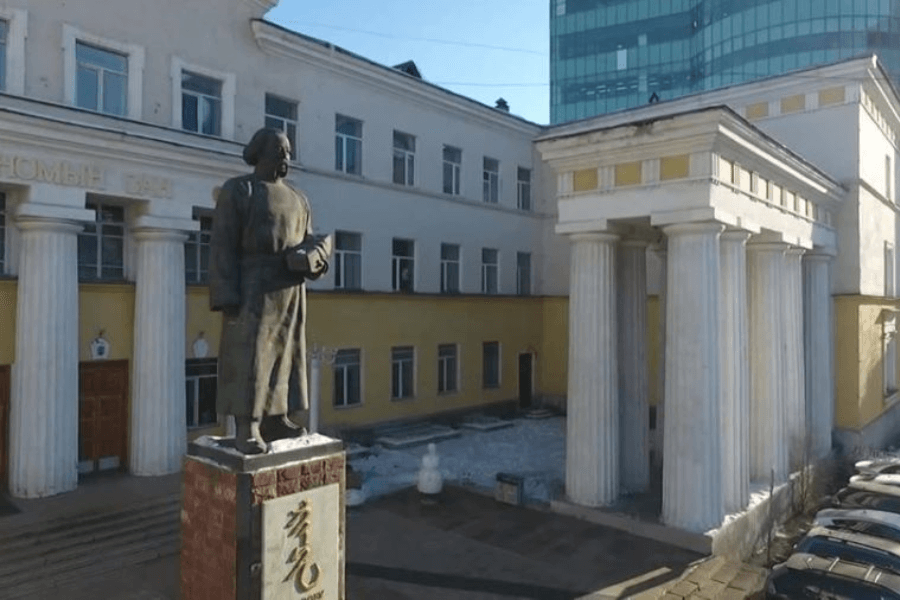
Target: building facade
611, 55
113, 137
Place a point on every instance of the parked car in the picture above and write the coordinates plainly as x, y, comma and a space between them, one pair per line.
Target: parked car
878, 466
882, 478
879, 523
808, 576
852, 546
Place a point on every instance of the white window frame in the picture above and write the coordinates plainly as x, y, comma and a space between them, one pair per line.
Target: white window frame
499, 383
284, 121
195, 380
345, 137
397, 263
229, 89
335, 367
98, 235
445, 263
407, 156
199, 238
519, 290
17, 31
456, 170
446, 370
524, 198
490, 182
340, 259
412, 365
490, 270
135, 56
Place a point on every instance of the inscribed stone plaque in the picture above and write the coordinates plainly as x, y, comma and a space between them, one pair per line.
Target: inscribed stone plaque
301, 545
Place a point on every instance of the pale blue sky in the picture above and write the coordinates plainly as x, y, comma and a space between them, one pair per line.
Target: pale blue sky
456, 45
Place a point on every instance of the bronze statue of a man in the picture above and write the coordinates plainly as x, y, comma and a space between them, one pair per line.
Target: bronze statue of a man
262, 250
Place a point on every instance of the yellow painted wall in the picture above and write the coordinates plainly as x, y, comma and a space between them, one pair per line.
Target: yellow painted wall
8, 288
199, 319
846, 361
552, 360
110, 307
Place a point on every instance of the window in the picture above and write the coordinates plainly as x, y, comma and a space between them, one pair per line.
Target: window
888, 177
402, 265
200, 380
196, 252
491, 180
101, 245
347, 260
490, 365
523, 189
449, 269
347, 145
890, 353
101, 80
402, 367
282, 114
201, 103
2, 233
447, 368
452, 164
890, 270
4, 34
489, 271
523, 273
404, 158
346, 378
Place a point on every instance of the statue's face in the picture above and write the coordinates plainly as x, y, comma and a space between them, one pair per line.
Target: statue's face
276, 155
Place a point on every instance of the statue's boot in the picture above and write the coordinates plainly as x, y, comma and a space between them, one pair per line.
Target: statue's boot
279, 427
247, 438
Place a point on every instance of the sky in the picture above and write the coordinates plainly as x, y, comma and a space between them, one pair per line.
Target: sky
483, 50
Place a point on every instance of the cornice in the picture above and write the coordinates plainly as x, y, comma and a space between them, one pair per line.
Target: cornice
261, 5
281, 42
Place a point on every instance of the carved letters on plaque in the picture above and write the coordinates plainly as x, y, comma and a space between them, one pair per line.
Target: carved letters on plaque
305, 572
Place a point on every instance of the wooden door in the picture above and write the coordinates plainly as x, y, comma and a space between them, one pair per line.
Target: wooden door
4, 426
525, 380
103, 415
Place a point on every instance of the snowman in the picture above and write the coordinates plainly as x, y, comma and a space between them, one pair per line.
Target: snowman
430, 480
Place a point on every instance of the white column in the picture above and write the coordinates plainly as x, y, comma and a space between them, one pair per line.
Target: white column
765, 265
43, 428
592, 436
819, 338
692, 479
660, 374
735, 411
315, 370
794, 364
634, 430
158, 428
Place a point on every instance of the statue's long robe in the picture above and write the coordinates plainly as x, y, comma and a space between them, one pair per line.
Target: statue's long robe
255, 224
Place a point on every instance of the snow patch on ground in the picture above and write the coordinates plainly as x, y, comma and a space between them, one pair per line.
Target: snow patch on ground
533, 450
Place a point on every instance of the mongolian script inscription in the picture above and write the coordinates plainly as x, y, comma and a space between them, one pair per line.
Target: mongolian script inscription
304, 572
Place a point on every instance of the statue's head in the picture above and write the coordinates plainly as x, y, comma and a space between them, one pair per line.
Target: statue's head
269, 150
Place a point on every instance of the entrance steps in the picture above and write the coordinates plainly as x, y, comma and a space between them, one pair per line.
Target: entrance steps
44, 555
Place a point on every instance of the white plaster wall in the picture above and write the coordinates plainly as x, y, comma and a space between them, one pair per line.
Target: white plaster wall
877, 225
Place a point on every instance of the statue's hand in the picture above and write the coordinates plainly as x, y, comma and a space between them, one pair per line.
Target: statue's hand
298, 261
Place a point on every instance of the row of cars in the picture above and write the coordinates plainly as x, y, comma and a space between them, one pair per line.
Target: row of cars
852, 550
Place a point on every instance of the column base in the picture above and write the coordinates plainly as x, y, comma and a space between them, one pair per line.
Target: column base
263, 526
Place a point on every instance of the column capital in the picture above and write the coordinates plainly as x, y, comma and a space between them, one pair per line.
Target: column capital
767, 246
818, 254
635, 243
159, 234
35, 223
594, 236
796, 251
694, 227
736, 235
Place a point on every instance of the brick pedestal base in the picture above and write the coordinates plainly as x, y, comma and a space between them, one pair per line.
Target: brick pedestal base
263, 527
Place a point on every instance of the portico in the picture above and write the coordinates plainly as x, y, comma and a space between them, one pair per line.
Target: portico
741, 219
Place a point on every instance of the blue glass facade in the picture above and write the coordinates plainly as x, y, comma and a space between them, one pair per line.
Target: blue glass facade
608, 55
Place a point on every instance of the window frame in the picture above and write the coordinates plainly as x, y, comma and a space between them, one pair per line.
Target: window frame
523, 190
199, 239
4, 233
229, 88
345, 379
340, 260
285, 122
195, 378
488, 269
100, 71
446, 371
345, 138
401, 394
134, 55
445, 265
490, 180
519, 286
485, 383
98, 235
406, 157
455, 171
397, 262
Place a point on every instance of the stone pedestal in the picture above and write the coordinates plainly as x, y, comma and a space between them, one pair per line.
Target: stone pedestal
263, 527
592, 421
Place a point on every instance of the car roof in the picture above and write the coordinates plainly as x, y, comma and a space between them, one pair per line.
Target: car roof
856, 537
801, 561
877, 488
874, 464
864, 515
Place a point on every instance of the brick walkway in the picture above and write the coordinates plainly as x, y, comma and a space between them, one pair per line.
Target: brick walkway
716, 578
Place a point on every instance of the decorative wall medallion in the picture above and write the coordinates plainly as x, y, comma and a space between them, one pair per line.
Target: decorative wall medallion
200, 348
99, 347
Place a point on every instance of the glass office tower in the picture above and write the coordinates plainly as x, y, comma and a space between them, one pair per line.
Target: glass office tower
608, 55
